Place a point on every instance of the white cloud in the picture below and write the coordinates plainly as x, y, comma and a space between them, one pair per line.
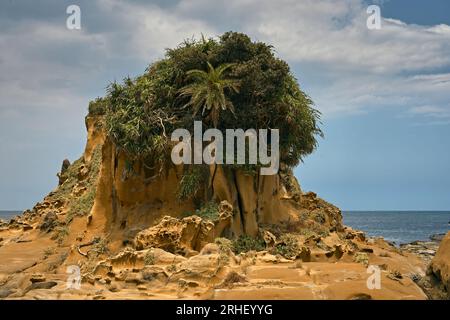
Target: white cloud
431, 111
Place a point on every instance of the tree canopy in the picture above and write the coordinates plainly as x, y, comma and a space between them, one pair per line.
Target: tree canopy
142, 112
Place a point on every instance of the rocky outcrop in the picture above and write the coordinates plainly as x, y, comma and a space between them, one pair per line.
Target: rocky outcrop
440, 265
177, 235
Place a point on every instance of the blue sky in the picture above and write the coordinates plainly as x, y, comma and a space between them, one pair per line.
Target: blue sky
384, 94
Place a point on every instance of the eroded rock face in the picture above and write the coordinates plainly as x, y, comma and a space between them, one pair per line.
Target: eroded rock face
177, 235
50, 222
440, 265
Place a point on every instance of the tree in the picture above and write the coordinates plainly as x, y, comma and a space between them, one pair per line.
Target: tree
207, 91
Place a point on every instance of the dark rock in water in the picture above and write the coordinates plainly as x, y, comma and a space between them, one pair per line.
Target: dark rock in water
437, 237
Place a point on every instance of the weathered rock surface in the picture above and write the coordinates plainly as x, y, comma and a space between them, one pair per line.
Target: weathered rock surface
177, 235
440, 265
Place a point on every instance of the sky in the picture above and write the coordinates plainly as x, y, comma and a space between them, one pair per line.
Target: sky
384, 94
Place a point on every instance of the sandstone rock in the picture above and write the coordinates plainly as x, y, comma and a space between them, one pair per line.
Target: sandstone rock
134, 277
103, 268
150, 273
113, 287
440, 264
37, 277
4, 293
269, 239
42, 285
177, 235
83, 172
78, 190
210, 248
65, 165
49, 222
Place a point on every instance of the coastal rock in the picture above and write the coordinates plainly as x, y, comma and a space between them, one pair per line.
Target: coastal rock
50, 222
37, 278
177, 235
440, 266
437, 237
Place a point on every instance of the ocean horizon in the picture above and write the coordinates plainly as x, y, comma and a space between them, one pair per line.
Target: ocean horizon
395, 226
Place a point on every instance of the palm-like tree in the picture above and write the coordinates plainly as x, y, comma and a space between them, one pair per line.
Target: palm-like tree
207, 91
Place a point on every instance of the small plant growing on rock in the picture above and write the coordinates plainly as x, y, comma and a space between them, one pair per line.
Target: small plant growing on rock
225, 248
209, 211
288, 246
100, 246
48, 252
361, 257
149, 258
246, 243
172, 268
191, 182
395, 275
61, 233
224, 244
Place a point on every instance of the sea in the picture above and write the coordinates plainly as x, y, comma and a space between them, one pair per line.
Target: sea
399, 226
395, 226
7, 215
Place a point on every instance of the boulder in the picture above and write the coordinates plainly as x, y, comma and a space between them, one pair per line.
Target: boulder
177, 235
440, 265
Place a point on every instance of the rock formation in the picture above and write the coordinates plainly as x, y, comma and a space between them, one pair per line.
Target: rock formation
131, 237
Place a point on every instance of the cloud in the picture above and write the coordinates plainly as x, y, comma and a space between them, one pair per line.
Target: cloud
48, 73
432, 111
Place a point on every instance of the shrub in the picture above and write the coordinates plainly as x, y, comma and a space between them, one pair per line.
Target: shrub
361, 257
149, 258
98, 107
191, 182
141, 112
48, 252
246, 243
288, 246
224, 244
82, 205
209, 211
61, 233
99, 247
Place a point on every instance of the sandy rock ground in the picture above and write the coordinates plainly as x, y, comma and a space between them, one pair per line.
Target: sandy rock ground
32, 266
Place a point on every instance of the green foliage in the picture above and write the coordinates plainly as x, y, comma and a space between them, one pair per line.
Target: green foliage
99, 247
142, 112
98, 107
361, 257
225, 245
191, 182
225, 249
82, 205
70, 177
246, 243
207, 92
209, 211
149, 258
48, 252
288, 247
61, 233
